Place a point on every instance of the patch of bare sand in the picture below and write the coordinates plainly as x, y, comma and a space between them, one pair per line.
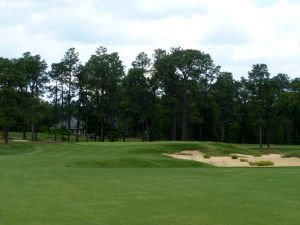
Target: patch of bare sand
227, 161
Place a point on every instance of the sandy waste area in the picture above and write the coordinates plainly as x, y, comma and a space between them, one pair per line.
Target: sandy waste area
227, 161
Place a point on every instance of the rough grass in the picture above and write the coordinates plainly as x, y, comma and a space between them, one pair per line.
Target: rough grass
206, 156
243, 160
133, 184
16, 148
291, 154
261, 163
234, 156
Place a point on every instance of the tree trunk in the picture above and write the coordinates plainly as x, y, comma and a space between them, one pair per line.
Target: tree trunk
78, 118
143, 131
268, 144
268, 138
5, 135
294, 129
285, 135
201, 127
174, 129
86, 128
112, 139
222, 131
56, 111
102, 117
102, 130
62, 105
184, 111
147, 130
32, 132
69, 106
243, 131
123, 134
200, 131
24, 132
184, 124
68, 128
78, 128
100, 133
260, 132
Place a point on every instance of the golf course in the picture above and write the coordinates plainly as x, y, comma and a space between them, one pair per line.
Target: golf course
133, 183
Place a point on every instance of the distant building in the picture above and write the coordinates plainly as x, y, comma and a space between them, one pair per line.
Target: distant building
73, 126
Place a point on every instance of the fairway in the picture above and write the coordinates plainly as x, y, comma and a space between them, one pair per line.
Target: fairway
134, 183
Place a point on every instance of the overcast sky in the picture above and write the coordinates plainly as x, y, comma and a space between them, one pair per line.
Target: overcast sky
236, 33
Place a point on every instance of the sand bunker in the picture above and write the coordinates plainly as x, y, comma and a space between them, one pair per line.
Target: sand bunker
227, 161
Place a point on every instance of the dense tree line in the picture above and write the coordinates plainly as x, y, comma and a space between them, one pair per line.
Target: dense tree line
175, 95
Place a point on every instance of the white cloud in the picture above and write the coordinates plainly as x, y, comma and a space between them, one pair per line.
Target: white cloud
237, 33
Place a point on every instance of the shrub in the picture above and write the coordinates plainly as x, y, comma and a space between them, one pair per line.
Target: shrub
206, 156
291, 154
185, 153
234, 157
262, 163
243, 160
258, 154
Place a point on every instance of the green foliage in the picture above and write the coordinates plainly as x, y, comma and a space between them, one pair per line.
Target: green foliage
206, 156
261, 163
178, 94
291, 154
234, 157
243, 160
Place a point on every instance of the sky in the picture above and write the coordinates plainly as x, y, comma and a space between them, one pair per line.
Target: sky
236, 33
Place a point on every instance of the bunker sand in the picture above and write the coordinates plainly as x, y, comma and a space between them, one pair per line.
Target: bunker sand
227, 161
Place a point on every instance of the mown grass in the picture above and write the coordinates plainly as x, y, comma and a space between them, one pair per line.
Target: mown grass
134, 183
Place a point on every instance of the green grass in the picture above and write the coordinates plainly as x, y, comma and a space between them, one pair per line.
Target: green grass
133, 183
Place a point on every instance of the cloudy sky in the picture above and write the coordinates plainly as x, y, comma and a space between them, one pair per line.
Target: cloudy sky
236, 33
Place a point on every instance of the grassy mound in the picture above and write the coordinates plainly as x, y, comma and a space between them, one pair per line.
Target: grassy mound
261, 163
16, 148
243, 160
234, 156
135, 163
291, 154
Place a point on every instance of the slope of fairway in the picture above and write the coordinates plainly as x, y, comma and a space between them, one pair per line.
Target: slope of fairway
133, 183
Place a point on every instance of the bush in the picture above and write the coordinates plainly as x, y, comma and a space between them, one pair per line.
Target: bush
257, 154
243, 160
206, 156
234, 157
262, 163
291, 154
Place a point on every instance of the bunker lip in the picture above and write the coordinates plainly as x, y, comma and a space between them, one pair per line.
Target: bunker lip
227, 161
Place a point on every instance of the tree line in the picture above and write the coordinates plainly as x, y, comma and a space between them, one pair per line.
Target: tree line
178, 94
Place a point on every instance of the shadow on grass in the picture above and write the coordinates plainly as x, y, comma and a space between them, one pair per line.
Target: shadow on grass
16, 148
136, 163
